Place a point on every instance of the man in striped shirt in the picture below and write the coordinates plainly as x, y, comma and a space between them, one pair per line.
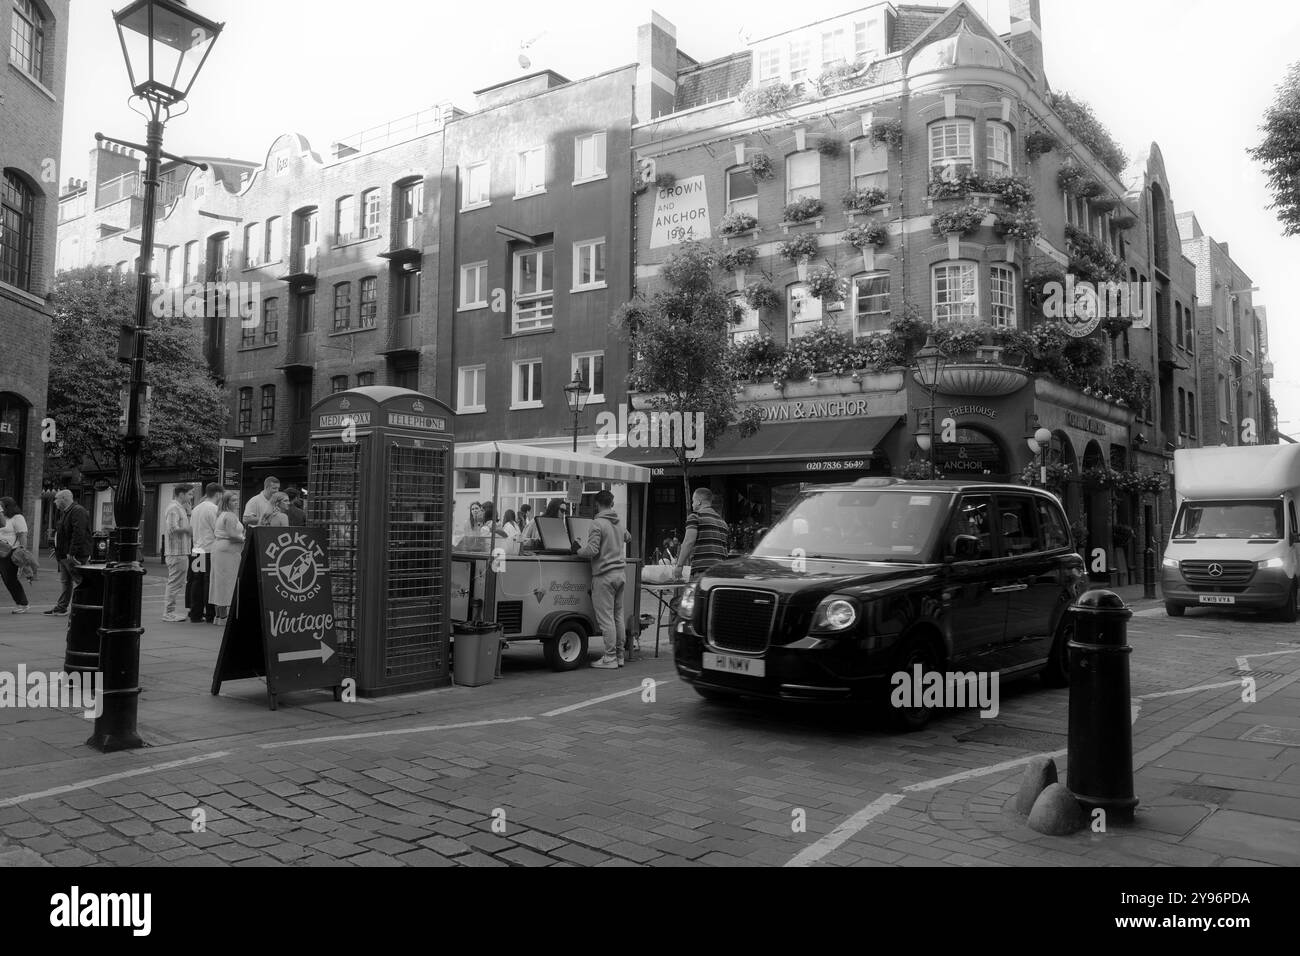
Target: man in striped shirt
706, 535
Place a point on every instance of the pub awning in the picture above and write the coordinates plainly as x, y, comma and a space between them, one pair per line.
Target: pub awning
807, 447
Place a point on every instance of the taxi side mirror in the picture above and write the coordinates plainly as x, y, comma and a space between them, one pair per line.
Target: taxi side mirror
965, 547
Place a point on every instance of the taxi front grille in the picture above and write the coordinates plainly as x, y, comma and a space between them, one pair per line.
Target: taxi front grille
741, 619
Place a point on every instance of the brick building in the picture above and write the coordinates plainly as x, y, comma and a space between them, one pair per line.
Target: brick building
35, 37
474, 256
1232, 338
884, 101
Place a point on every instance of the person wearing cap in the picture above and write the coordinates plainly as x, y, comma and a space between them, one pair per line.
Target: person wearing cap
179, 542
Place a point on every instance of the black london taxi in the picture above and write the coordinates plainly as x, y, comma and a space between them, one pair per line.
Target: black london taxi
859, 581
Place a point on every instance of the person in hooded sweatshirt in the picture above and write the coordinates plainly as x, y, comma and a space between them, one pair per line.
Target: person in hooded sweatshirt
604, 549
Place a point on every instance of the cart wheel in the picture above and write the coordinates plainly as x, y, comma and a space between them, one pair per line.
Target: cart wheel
567, 650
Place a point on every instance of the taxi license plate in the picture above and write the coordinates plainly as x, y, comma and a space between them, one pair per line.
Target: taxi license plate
748, 666
1218, 599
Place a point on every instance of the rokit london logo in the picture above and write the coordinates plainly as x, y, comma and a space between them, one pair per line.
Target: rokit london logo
75, 909
293, 567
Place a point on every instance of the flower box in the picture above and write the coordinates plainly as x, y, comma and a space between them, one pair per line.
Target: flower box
787, 224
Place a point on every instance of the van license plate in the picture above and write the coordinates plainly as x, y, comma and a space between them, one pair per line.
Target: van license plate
749, 666
1218, 599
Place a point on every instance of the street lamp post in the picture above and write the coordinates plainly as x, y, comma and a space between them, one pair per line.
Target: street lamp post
930, 362
577, 393
1038, 445
165, 45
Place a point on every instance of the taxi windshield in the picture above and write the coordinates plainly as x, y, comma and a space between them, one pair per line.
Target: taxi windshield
852, 525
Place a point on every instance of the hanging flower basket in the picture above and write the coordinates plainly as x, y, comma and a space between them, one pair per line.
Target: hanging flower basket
665, 181
963, 221
741, 258
830, 148
887, 132
762, 296
800, 247
761, 168
868, 235
824, 284
1039, 142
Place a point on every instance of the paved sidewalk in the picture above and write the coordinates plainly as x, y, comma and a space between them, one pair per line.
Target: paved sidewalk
585, 769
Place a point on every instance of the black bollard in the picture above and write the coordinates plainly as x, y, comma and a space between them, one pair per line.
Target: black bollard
1149, 572
1100, 758
84, 616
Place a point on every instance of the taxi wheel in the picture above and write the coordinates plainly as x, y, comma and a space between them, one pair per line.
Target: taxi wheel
567, 650
1174, 610
1287, 614
1057, 671
717, 696
917, 650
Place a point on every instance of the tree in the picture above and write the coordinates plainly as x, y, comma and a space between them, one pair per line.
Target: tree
187, 409
680, 338
1279, 153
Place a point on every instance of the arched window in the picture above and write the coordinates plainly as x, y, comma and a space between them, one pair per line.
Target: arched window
955, 292
253, 233
17, 209
27, 39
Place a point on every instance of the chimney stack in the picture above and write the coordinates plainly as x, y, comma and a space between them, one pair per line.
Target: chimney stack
656, 71
1027, 37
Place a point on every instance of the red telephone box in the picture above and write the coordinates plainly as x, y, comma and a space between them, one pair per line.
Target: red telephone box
380, 482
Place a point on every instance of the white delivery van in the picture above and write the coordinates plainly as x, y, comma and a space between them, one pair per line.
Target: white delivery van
1235, 541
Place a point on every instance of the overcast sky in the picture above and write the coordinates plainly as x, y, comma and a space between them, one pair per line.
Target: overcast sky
1192, 75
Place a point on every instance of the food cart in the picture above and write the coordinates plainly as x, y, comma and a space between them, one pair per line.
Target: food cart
544, 594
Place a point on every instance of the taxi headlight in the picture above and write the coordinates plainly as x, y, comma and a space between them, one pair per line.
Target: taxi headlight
835, 614
686, 606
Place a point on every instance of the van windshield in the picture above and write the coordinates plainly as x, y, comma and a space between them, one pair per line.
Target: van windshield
852, 525
1230, 519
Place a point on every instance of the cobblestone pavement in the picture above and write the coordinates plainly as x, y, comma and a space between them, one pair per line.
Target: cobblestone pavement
589, 768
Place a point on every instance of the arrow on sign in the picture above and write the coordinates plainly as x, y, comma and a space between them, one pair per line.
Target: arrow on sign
324, 652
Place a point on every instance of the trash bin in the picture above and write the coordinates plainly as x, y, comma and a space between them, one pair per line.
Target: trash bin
85, 614
476, 648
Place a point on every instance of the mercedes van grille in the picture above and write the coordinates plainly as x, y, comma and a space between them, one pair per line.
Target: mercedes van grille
1230, 573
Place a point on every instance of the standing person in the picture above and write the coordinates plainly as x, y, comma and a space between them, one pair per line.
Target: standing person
180, 542
525, 520
297, 513
604, 549
71, 546
473, 528
226, 549
279, 518
203, 528
490, 528
259, 506
552, 511
510, 525
13, 538
706, 535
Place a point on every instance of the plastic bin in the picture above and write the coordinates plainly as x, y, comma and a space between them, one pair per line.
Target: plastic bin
476, 649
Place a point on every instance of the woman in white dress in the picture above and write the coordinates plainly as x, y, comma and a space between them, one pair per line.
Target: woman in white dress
226, 549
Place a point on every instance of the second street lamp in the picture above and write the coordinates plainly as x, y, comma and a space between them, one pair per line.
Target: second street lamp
577, 393
930, 362
165, 45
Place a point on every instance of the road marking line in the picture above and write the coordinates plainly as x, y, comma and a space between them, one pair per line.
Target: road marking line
600, 700
85, 784
859, 821
978, 772
1269, 654
831, 841
391, 733
1190, 690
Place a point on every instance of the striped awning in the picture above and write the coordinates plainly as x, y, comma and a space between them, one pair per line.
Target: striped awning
512, 459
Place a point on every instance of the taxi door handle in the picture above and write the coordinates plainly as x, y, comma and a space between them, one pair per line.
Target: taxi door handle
1010, 587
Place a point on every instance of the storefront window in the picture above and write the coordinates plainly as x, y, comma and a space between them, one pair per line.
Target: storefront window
13, 445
